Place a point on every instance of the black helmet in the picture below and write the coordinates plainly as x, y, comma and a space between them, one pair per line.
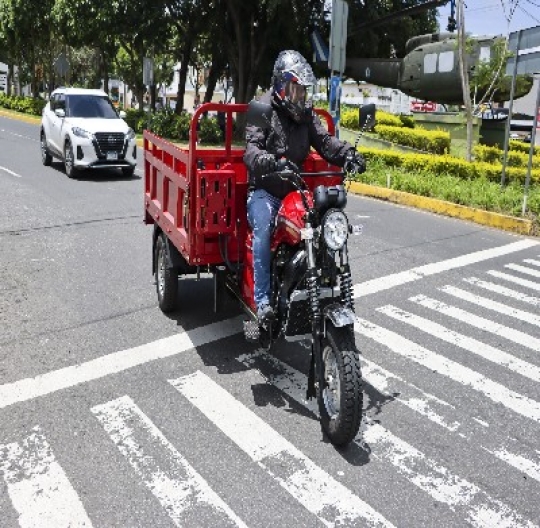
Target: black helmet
291, 77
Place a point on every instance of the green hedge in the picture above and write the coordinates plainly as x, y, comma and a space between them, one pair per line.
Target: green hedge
435, 141
515, 158
26, 105
523, 147
446, 164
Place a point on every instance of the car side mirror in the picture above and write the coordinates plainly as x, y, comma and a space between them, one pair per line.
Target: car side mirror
259, 114
60, 112
122, 114
367, 116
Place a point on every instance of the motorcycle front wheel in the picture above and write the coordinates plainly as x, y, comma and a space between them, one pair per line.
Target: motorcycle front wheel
340, 398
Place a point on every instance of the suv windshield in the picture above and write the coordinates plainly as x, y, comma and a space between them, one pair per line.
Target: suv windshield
90, 106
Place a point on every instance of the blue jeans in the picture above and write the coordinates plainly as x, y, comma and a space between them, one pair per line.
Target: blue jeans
262, 209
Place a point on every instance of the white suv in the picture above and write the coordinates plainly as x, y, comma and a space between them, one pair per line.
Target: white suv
82, 128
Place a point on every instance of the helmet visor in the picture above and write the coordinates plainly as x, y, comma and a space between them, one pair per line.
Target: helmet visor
296, 93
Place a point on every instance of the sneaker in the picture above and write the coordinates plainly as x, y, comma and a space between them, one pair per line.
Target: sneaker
265, 314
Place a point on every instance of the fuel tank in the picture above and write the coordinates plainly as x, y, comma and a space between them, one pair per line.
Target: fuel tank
290, 219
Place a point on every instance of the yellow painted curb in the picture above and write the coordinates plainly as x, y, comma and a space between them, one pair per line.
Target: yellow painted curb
20, 117
488, 218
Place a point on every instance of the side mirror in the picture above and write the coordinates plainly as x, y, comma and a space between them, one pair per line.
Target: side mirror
259, 114
60, 112
367, 117
122, 114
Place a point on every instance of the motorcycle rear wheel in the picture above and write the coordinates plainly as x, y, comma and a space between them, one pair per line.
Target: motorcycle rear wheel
341, 397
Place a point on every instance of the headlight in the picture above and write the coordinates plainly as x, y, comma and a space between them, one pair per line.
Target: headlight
81, 133
335, 229
130, 134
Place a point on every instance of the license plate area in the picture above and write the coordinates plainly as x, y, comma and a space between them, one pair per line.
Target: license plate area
112, 156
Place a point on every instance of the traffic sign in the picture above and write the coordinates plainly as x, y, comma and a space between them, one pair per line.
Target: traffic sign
338, 36
61, 65
523, 44
148, 71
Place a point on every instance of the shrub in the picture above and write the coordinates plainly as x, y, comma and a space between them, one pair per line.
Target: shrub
435, 141
209, 131
26, 105
523, 147
495, 155
447, 165
407, 121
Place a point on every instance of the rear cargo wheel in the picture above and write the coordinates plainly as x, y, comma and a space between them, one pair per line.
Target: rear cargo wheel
166, 278
341, 397
46, 158
69, 160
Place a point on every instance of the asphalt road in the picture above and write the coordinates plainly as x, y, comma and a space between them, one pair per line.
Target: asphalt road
114, 415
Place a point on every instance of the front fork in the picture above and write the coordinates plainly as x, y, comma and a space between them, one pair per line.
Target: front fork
316, 371
312, 286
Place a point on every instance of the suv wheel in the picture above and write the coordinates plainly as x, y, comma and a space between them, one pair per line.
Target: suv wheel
69, 159
46, 158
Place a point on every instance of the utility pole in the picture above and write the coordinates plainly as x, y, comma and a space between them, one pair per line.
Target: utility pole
464, 71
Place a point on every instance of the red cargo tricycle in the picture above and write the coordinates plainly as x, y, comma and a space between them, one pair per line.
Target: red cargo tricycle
196, 200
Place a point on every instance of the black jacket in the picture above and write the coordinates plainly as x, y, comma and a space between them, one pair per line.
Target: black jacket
291, 140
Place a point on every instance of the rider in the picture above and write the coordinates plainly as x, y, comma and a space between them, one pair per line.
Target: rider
294, 128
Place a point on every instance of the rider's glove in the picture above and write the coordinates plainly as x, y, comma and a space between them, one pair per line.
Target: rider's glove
267, 163
354, 162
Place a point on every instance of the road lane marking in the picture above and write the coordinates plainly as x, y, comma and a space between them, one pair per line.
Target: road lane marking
483, 302
183, 493
508, 292
517, 280
523, 269
532, 262
315, 489
5, 169
445, 415
43, 384
461, 496
403, 277
38, 487
482, 323
29, 388
470, 344
496, 392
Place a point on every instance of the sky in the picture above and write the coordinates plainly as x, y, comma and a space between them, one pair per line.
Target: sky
489, 17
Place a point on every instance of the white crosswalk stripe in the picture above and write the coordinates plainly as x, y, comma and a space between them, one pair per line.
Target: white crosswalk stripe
523, 269
42, 495
479, 322
503, 290
445, 415
494, 391
38, 487
315, 489
468, 343
532, 262
458, 494
516, 280
179, 488
504, 309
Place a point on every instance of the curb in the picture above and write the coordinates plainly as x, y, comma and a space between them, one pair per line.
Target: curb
20, 117
521, 226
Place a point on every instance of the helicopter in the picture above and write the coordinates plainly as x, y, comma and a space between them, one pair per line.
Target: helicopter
429, 70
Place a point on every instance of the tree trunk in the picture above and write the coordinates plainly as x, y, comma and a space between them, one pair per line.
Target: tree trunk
182, 74
464, 71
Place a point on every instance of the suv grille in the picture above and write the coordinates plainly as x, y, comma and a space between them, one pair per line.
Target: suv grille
110, 141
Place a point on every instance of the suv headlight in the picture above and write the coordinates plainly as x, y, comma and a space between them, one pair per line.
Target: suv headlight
130, 134
335, 229
80, 132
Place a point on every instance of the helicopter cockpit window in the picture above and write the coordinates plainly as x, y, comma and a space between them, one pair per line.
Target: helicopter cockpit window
430, 63
446, 61
485, 54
